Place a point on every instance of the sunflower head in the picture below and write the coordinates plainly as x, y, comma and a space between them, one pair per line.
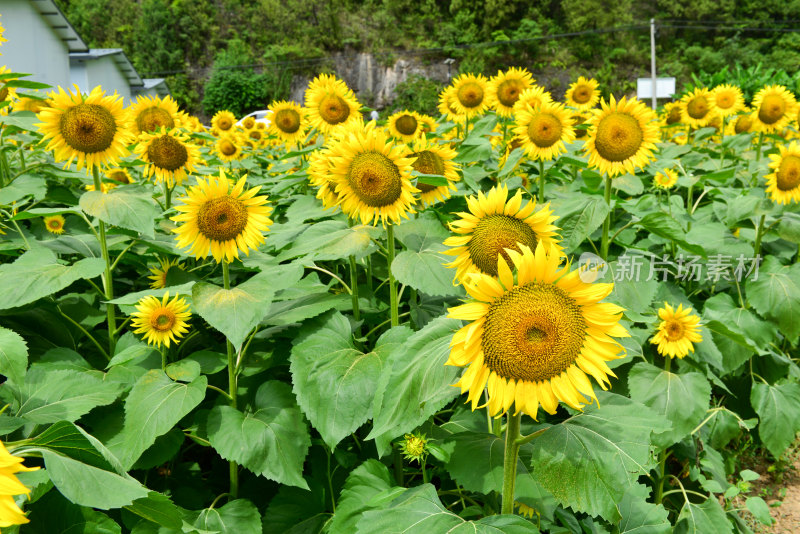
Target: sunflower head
151, 113
159, 276
783, 184
506, 87
119, 175
671, 114
447, 107
433, 158
161, 321
54, 224
697, 107
10, 513
472, 95
330, 104
743, 123
728, 99
223, 121
665, 179
288, 122
405, 125
533, 97
679, 328
544, 130
583, 94
319, 174
414, 447
774, 107
170, 156
228, 148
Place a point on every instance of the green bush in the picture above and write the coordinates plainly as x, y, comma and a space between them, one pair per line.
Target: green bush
418, 93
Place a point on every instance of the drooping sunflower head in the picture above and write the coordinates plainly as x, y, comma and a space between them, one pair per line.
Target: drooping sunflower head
161, 321
783, 184
405, 125
151, 113
91, 130
330, 104
671, 114
54, 224
119, 175
743, 123
223, 121
10, 465
228, 148
372, 176
434, 158
159, 276
221, 218
288, 122
697, 107
622, 136
447, 107
170, 156
728, 99
537, 331
533, 97
665, 179
583, 94
506, 87
679, 328
774, 107
495, 225
472, 95
544, 130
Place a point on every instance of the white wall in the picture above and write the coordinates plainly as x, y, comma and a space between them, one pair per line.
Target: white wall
105, 73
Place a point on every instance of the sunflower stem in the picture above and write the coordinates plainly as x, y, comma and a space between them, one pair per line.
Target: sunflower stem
607, 222
392, 282
108, 285
167, 196
233, 468
759, 234
354, 288
541, 180
510, 462
721, 144
164, 358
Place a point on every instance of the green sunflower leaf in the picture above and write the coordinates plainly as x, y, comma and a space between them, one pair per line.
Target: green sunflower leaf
776, 295
237, 517
130, 207
640, 516
778, 409
333, 240
579, 217
368, 487
703, 518
13, 355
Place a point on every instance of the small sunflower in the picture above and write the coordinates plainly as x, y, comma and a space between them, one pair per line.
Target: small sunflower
151, 113
288, 122
221, 220
671, 114
105, 187
728, 100
228, 148
697, 107
533, 97
405, 125
433, 158
583, 94
7, 94
534, 337
544, 130
783, 185
622, 136
506, 87
223, 121
256, 137
678, 329
119, 175
775, 107
373, 176
55, 224
427, 123
25, 103
248, 122
665, 179
414, 447
330, 104
471, 94
91, 130
743, 123
161, 321
319, 174
170, 156
159, 276
447, 107
493, 227
10, 465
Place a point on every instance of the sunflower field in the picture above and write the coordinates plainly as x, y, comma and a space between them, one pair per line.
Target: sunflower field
520, 316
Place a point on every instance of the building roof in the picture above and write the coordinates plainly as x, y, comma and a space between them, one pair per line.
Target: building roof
60, 25
119, 58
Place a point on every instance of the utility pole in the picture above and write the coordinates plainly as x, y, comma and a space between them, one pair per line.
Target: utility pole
653, 60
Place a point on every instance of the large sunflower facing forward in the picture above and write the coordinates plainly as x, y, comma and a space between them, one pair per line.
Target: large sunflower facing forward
494, 226
228, 148
697, 107
433, 158
535, 337
774, 108
583, 94
288, 122
544, 130
169, 156
679, 328
91, 130
223, 121
221, 220
783, 185
506, 87
372, 175
161, 321
150, 113
405, 125
330, 104
471, 94
728, 100
622, 136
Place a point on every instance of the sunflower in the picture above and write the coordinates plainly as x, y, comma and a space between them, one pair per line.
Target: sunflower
414, 447
372, 175
330, 103
221, 220
10, 465
671, 114
405, 125
728, 99
427, 123
774, 108
228, 148
433, 158
104, 187
288, 122
494, 226
533, 97
255, 136
7, 94
151, 113
248, 123
25, 103
622, 136
697, 107
54, 224
319, 174
535, 339
2, 39
119, 175
170, 156
665, 179
159, 276
447, 107
783, 185
471, 94
92, 130
583, 94
506, 87
161, 321
677, 331
223, 121
743, 123
544, 130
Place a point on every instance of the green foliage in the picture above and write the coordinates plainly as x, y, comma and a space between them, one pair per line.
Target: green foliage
418, 93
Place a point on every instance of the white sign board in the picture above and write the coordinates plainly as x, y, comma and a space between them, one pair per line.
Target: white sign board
665, 88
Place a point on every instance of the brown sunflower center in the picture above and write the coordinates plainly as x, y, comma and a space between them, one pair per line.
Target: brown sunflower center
534, 332
788, 175
619, 136
697, 107
406, 124
167, 153
255, 135
162, 320
743, 124
544, 130
724, 100
227, 148
248, 122
88, 128
375, 179
224, 123
508, 92
3, 93
772, 109
153, 118
55, 224
673, 330
119, 176
333, 109
495, 233
222, 219
582, 94
287, 120
427, 163
470, 95
674, 115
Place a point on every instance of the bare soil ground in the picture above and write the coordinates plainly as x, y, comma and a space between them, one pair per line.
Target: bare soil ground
780, 488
